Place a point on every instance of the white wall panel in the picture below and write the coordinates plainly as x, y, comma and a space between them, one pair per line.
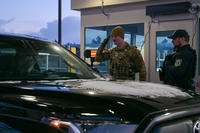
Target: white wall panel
80, 4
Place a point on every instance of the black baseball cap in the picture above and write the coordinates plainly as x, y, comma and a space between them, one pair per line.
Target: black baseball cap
179, 33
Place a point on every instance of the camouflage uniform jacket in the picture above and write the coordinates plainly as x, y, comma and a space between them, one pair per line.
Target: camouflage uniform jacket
124, 62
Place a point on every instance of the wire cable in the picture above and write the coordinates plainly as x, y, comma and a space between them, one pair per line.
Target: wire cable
102, 9
145, 37
195, 28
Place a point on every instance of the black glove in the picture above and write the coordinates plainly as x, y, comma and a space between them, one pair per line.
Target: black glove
161, 74
168, 57
168, 60
105, 41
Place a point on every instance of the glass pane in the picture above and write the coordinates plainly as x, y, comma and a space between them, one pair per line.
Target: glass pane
139, 42
94, 37
134, 35
175, 127
164, 47
127, 38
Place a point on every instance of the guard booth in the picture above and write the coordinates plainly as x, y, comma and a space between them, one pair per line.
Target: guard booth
147, 24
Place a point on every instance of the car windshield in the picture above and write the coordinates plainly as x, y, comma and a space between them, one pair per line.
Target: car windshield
29, 59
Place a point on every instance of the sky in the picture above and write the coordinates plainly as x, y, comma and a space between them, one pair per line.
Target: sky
39, 18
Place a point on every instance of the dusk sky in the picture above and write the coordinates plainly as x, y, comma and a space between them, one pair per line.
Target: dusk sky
39, 18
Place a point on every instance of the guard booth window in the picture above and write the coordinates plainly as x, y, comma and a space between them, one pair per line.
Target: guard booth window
134, 35
164, 47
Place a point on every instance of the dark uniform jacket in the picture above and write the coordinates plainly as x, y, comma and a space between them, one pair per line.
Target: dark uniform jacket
179, 68
124, 62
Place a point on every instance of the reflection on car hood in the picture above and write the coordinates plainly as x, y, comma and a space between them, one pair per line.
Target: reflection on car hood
141, 89
128, 100
158, 95
103, 87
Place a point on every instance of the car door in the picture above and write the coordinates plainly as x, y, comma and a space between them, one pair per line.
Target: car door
160, 45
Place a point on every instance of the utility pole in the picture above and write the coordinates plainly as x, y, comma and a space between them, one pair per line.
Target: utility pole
60, 22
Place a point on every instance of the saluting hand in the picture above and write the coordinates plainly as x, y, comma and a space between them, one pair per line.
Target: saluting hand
105, 41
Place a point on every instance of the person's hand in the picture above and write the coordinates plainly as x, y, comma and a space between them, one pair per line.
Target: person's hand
168, 60
161, 73
168, 57
105, 41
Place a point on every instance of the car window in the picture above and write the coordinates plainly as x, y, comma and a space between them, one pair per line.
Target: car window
8, 56
36, 60
176, 127
189, 125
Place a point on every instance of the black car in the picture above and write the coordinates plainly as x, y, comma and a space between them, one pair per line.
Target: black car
46, 84
15, 124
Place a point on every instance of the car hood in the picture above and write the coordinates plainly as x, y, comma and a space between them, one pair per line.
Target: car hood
115, 100
104, 87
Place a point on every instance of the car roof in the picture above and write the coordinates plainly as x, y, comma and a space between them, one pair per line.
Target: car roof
24, 36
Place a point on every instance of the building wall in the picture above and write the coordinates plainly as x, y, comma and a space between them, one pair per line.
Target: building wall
94, 17
134, 12
81, 4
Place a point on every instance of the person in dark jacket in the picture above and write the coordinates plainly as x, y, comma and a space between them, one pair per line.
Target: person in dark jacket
125, 60
179, 67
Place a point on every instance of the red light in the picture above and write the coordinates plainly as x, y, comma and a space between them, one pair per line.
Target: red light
93, 53
55, 124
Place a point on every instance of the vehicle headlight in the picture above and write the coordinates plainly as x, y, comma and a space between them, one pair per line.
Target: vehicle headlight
93, 127
65, 126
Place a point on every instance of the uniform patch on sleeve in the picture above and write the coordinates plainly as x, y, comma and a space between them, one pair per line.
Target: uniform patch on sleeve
178, 62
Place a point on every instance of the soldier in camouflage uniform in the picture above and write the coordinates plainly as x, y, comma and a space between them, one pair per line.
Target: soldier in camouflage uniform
125, 60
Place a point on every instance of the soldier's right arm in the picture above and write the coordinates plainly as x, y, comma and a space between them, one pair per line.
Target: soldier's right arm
103, 55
